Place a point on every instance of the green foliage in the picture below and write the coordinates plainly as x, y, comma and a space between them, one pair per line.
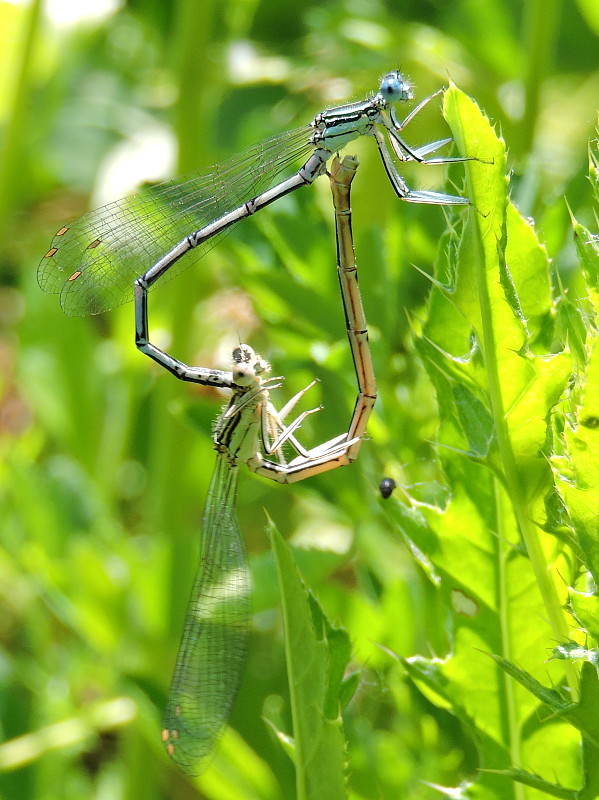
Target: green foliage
505, 417
317, 656
473, 648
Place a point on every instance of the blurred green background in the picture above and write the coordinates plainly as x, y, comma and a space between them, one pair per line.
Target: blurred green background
106, 458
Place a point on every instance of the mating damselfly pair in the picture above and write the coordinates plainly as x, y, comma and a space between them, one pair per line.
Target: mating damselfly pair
123, 249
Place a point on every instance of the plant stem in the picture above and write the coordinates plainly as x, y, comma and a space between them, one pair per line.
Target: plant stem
503, 550
540, 25
11, 163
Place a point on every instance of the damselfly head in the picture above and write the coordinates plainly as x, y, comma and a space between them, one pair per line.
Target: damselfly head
247, 364
395, 88
243, 354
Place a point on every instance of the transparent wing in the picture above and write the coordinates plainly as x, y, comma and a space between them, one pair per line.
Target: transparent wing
212, 650
94, 261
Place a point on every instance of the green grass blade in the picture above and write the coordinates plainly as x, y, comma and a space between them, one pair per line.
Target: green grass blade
15, 131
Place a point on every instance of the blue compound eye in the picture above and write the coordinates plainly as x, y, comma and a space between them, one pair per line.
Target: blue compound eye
395, 88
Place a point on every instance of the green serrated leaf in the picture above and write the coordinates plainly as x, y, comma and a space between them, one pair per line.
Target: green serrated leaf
570, 328
585, 607
509, 372
528, 418
584, 714
528, 265
553, 699
587, 247
317, 730
348, 689
536, 782
490, 314
339, 655
579, 487
474, 418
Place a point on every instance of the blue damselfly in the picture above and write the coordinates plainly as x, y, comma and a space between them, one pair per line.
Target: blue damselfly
151, 236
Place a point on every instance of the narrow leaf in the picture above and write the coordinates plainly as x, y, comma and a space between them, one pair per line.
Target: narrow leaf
311, 661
